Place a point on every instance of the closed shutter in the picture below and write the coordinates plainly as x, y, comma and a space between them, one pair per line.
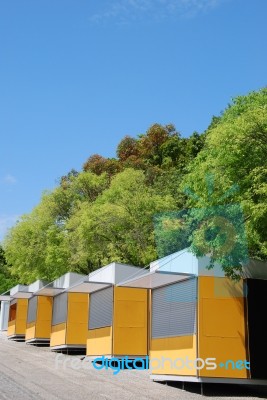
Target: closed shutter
60, 309
101, 308
4, 312
32, 309
174, 309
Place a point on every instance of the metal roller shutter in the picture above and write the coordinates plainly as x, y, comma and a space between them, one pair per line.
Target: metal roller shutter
32, 309
60, 306
101, 308
174, 309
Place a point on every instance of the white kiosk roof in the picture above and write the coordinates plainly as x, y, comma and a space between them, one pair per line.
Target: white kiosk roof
88, 287
22, 291
26, 292
18, 291
183, 265
105, 277
173, 268
5, 297
60, 285
155, 279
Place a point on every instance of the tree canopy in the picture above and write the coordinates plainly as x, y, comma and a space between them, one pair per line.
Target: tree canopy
162, 193
234, 157
6, 280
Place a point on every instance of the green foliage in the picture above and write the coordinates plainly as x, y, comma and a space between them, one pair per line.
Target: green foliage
36, 246
171, 232
119, 225
135, 208
99, 165
6, 280
128, 147
168, 182
160, 148
235, 152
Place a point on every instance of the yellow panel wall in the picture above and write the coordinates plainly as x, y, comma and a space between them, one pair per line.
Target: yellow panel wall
99, 342
58, 335
130, 322
21, 316
77, 319
221, 325
30, 331
174, 351
11, 328
44, 317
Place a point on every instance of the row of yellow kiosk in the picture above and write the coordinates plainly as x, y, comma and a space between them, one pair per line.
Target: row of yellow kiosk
194, 323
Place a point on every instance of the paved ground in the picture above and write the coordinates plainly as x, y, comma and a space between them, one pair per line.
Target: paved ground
32, 373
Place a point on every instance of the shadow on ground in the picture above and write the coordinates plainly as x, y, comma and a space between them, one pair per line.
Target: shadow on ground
220, 390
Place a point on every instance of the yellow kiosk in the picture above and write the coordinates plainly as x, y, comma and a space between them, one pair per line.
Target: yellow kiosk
205, 327
39, 318
69, 316
118, 317
19, 297
18, 312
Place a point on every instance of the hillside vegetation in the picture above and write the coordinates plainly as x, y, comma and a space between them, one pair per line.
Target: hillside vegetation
160, 194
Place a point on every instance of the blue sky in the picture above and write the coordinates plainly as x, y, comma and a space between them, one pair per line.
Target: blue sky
78, 75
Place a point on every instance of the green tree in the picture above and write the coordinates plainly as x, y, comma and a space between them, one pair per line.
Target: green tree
99, 165
38, 246
33, 245
133, 208
128, 147
6, 280
194, 144
150, 144
235, 153
119, 224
